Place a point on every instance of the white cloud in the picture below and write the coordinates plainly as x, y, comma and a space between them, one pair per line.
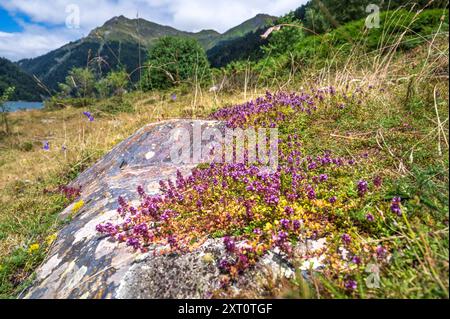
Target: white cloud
32, 42
188, 15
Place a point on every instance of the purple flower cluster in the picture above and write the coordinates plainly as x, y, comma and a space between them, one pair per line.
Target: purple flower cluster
271, 109
395, 206
377, 181
46, 146
70, 192
89, 116
363, 187
351, 284
346, 239
229, 243
294, 180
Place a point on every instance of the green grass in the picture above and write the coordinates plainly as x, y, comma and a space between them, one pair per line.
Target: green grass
390, 131
34, 215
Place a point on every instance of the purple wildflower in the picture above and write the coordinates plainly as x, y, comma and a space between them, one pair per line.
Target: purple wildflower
229, 243
395, 206
351, 284
171, 240
285, 223
346, 239
362, 188
281, 238
89, 116
289, 210
133, 242
224, 265
377, 181
370, 217
381, 252
122, 202
312, 165
141, 190
311, 193
257, 231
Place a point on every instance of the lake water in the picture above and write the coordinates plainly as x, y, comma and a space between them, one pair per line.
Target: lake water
19, 105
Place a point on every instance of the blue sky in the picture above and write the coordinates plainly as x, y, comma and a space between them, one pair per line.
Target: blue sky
29, 28
7, 23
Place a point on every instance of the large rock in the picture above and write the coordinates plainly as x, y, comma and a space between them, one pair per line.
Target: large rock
83, 264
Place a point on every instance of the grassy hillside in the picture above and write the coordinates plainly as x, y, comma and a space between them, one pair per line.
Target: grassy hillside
350, 44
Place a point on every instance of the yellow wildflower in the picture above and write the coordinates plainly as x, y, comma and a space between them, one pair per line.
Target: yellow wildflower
77, 206
33, 248
268, 227
50, 239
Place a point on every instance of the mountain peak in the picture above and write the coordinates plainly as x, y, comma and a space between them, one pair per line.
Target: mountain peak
115, 20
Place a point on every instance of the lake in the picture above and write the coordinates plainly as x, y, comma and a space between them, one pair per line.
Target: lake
20, 105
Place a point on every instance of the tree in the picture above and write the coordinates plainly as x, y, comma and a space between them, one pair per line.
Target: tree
283, 41
79, 83
173, 61
7, 94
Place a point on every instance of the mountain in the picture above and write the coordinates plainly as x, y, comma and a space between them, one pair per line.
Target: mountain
26, 87
252, 25
117, 43
135, 30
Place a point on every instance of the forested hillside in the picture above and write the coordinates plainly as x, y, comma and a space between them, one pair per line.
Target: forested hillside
26, 88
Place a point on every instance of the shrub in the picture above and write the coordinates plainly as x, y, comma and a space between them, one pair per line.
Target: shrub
114, 83
55, 103
79, 83
115, 105
3, 109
